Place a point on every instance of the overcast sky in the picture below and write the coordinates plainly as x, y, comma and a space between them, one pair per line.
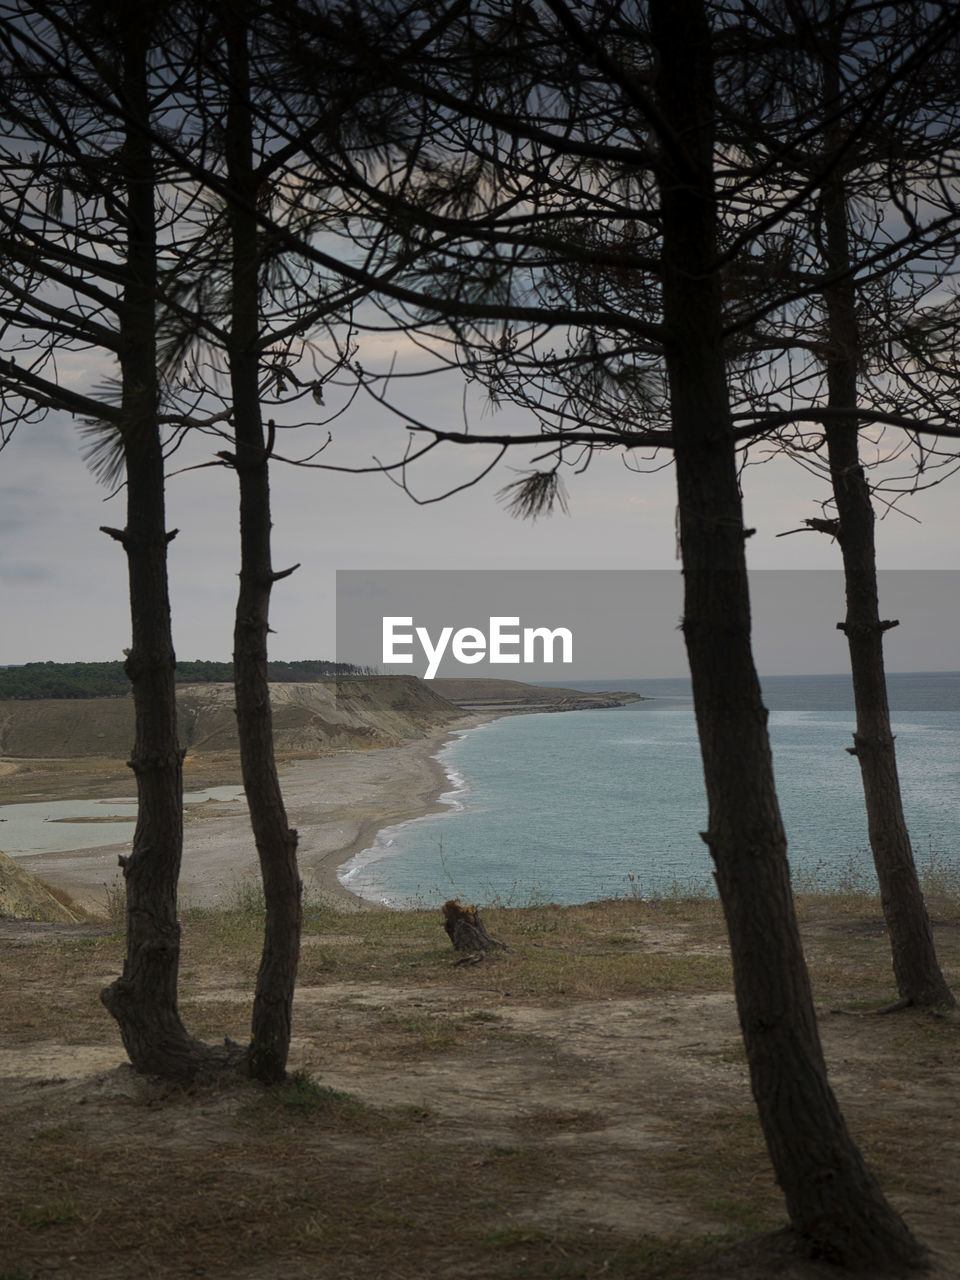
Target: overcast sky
64, 583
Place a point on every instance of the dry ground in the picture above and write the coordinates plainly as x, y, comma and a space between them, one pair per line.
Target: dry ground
577, 1107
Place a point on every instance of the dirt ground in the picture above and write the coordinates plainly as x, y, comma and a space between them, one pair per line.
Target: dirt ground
577, 1107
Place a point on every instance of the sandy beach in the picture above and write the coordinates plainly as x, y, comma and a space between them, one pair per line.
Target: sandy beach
337, 802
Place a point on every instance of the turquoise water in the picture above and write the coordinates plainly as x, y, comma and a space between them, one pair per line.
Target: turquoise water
592, 804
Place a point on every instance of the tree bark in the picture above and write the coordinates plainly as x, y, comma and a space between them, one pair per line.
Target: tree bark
834, 1203
144, 999
276, 841
920, 980
466, 930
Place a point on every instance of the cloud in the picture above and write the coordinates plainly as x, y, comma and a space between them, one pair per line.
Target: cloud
31, 574
64, 583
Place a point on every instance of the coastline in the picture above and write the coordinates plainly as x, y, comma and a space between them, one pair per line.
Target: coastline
374, 790
337, 802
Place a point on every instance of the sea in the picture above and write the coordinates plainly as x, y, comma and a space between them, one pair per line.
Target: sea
578, 806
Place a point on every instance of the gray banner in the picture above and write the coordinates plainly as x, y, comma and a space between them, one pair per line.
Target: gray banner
567, 625
512, 625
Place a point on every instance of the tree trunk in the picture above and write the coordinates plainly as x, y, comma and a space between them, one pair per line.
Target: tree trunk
833, 1201
919, 978
466, 930
276, 841
144, 999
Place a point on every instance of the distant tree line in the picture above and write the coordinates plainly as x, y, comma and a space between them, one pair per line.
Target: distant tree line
109, 680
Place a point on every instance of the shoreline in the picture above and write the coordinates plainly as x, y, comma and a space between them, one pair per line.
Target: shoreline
406, 783
338, 803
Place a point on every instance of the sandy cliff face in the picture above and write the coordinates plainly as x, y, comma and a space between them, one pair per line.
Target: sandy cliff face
24, 898
369, 711
514, 695
356, 712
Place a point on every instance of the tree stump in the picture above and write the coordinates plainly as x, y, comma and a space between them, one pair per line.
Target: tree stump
466, 930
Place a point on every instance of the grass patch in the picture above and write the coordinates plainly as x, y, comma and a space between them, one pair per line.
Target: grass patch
301, 1095
115, 904
940, 877
302, 1100
57, 1212
422, 1032
53, 1134
67, 900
